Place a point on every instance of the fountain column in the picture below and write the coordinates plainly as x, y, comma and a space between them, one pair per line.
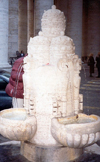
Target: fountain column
22, 26
40, 6
93, 27
30, 19
74, 25
13, 28
4, 34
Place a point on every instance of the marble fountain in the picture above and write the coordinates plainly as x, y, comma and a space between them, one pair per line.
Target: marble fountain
51, 126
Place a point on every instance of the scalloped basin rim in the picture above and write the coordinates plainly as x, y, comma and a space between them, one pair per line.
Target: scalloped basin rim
76, 135
78, 119
15, 124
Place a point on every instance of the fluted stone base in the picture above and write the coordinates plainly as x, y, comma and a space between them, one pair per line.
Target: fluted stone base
36, 153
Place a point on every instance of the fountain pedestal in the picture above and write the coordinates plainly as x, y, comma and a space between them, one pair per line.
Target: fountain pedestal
35, 153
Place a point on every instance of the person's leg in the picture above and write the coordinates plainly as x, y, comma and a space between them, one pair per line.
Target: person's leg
90, 72
99, 72
91, 75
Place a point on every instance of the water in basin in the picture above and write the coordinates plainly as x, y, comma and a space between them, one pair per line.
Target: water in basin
77, 120
15, 116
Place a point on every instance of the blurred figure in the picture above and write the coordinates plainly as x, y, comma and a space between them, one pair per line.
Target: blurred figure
91, 63
17, 54
22, 54
15, 86
98, 64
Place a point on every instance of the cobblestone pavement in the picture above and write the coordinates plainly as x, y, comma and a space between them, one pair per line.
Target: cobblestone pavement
10, 152
90, 88
88, 157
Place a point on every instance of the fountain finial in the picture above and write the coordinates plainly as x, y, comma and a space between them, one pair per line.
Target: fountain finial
53, 7
53, 22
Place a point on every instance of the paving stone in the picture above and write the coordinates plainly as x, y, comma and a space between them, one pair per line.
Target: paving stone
11, 153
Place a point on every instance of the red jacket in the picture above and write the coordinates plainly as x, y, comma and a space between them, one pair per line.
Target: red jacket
15, 86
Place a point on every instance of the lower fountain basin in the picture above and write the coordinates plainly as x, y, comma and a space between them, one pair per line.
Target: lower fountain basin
15, 124
76, 131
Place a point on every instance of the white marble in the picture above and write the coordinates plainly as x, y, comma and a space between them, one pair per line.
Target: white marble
15, 124
72, 132
51, 76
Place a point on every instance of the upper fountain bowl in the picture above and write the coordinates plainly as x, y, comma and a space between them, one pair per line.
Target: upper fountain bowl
76, 131
15, 124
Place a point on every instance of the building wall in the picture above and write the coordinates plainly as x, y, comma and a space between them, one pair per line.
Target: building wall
73, 12
82, 23
84, 29
18, 17
74, 24
30, 19
91, 27
40, 6
93, 39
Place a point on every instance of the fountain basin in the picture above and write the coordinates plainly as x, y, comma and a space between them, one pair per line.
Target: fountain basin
15, 124
76, 131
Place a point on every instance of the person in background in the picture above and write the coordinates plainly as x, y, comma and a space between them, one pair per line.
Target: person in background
98, 64
91, 63
17, 54
22, 54
15, 86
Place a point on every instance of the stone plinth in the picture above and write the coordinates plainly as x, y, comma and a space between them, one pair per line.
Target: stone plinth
36, 153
